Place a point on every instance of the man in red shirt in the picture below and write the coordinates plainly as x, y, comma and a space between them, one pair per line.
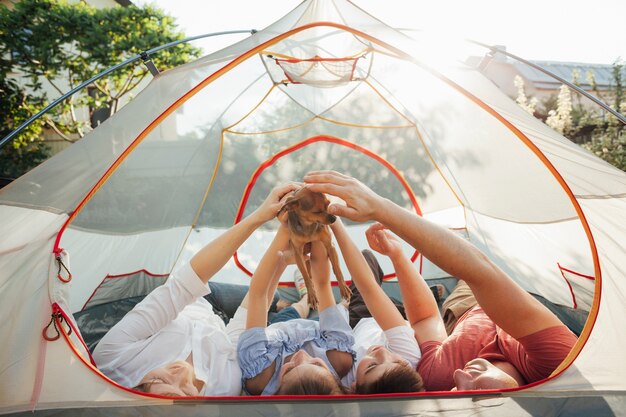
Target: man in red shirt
508, 340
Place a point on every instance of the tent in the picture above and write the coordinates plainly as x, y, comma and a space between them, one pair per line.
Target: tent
325, 87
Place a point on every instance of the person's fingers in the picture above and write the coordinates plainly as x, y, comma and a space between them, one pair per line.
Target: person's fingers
281, 190
332, 199
333, 177
328, 188
383, 239
376, 226
371, 239
287, 256
344, 211
282, 217
390, 236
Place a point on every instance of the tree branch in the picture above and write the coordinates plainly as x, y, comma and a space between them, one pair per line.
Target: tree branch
54, 127
54, 85
102, 89
124, 88
132, 87
72, 112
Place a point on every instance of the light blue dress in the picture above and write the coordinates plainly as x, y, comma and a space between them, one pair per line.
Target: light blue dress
258, 347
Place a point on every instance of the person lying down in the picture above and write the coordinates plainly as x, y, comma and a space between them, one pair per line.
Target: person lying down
298, 357
387, 353
304, 358
172, 343
508, 340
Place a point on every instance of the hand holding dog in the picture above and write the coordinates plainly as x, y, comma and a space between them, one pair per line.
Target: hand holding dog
362, 203
274, 202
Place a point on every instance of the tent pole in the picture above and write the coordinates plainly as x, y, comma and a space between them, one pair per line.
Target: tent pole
574, 87
145, 56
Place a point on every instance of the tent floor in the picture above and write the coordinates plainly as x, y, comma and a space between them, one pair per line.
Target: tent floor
519, 404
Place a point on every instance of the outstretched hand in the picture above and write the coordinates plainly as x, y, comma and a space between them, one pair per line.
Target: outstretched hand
361, 202
273, 202
383, 241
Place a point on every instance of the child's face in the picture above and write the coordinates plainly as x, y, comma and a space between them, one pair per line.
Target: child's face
375, 363
300, 364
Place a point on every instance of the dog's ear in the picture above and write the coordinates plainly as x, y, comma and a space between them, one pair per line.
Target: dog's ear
290, 204
306, 203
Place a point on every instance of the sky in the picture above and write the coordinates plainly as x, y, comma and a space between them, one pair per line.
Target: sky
555, 30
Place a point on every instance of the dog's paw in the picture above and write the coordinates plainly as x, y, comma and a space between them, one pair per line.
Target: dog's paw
345, 291
312, 300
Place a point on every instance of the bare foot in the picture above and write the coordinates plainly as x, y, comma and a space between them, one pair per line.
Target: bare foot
302, 306
282, 304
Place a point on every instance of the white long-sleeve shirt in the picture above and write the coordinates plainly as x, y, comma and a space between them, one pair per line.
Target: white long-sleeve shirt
171, 323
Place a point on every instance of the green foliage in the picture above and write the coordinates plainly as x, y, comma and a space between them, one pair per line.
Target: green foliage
601, 133
26, 150
54, 44
611, 148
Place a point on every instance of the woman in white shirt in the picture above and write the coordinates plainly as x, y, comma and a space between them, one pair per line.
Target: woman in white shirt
387, 353
172, 343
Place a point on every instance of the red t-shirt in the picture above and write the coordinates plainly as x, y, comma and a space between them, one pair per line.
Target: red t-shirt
475, 336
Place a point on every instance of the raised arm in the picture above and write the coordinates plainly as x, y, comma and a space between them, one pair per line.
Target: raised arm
214, 256
257, 303
337, 332
264, 280
378, 303
506, 303
419, 304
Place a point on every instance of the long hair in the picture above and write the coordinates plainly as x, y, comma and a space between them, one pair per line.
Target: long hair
400, 378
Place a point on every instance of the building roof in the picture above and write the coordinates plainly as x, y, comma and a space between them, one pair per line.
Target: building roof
603, 73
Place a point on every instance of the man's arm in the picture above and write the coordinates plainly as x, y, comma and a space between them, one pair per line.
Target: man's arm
506, 303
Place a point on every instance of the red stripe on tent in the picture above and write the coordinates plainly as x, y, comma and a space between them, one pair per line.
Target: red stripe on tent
593, 314
271, 398
293, 284
331, 139
571, 290
576, 273
232, 64
145, 271
120, 276
57, 309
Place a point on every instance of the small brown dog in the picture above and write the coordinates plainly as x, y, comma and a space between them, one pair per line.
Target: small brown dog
308, 221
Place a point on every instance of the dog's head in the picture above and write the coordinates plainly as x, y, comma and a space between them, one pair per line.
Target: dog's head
310, 206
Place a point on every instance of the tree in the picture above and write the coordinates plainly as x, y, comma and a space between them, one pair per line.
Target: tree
601, 133
54, 44
20, 155
608, 139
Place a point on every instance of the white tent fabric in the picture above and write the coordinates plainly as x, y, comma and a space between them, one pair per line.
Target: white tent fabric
203, 144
